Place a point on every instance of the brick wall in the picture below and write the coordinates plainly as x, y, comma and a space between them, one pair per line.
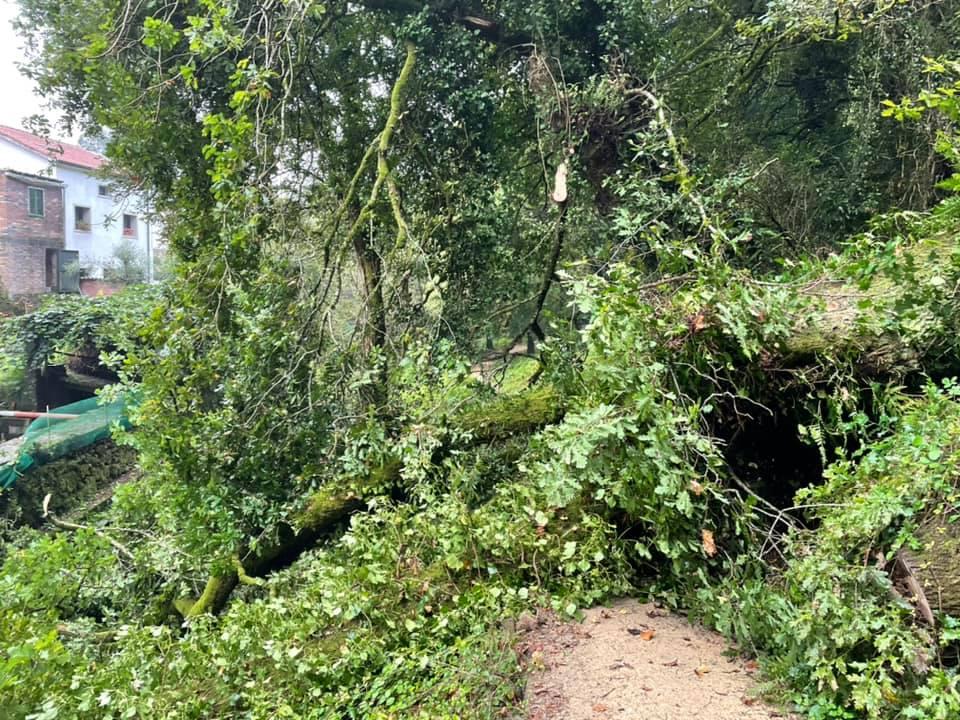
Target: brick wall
24, 239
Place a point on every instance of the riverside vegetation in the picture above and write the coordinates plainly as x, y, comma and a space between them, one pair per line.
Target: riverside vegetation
726, 234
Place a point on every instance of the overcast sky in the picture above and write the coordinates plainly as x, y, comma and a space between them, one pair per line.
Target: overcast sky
19, 100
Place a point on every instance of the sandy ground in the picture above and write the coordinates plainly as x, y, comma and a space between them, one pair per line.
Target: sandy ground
634, 662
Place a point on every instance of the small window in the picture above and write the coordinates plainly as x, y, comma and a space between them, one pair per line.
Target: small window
81, 218
103, 190
129, 225
35, 202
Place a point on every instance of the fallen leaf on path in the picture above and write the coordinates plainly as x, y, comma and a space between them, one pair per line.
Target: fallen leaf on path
751, 666
648, 634
673, 663
702, 670
538, 661
600, 707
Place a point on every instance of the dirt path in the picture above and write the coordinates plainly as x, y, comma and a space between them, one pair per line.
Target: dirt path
634, 662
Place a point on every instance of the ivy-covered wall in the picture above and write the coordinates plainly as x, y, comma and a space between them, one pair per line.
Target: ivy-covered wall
70, 481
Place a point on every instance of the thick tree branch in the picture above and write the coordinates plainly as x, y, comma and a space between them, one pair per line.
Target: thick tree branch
327, 510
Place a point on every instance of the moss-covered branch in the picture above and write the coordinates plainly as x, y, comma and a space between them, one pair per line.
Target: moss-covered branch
328, 509
213, 598
383, 147
509, 415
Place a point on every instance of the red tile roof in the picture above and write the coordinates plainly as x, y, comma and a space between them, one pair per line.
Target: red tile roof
53, 149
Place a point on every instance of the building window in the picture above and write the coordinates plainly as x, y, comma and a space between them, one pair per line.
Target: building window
81, 218
129, 225
103, 191
35, 202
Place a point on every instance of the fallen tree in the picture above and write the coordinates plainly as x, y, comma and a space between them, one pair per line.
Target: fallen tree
851, 311
327, 511
931, 570
892, 313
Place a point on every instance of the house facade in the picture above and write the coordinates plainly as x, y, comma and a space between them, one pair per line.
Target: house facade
32, 241
93, 220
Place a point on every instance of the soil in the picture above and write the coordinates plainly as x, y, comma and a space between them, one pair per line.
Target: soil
632, 661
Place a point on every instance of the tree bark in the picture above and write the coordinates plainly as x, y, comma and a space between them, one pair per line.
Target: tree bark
891, 328
935, 567
375, 320
375, 328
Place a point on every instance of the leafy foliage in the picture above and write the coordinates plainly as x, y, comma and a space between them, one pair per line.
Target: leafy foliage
833, 626
358, 193
65, 326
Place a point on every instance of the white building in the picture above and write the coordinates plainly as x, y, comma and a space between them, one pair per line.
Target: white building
96, 219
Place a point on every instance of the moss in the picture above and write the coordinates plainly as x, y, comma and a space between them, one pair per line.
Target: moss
213, 598
519, 374
69, 481
508, 415
382, 478
327, 507
163, 607
184, 604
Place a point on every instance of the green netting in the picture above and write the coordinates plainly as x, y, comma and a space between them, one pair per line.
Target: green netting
49, 438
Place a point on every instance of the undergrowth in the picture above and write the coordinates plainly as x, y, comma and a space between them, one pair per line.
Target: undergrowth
828, 621
630, 492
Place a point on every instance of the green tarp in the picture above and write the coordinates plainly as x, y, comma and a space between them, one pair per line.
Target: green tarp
48, 439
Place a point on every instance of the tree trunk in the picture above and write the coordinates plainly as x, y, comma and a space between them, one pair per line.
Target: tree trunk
891, 328
375, 320
935, 567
